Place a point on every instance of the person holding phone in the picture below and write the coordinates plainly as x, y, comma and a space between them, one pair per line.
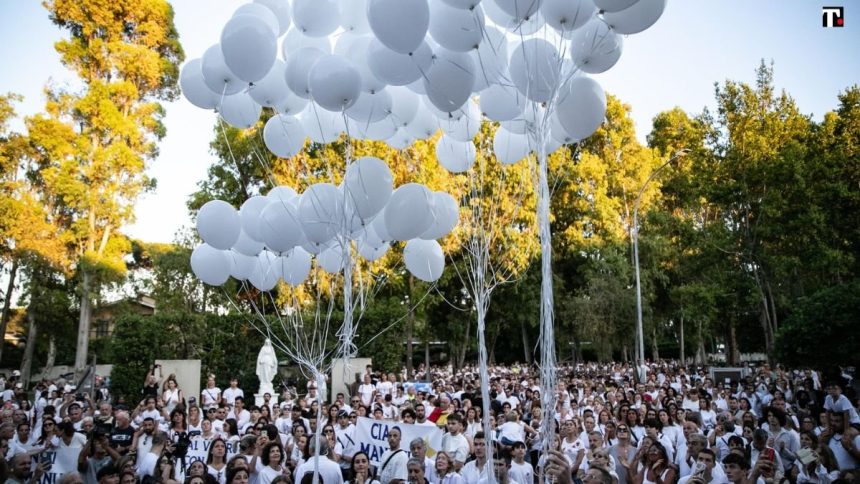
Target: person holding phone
765, 460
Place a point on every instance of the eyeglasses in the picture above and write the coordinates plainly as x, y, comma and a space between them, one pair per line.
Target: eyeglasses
328, 431
355, 401
622, 429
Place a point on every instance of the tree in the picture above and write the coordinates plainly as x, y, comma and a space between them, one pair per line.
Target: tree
92, 146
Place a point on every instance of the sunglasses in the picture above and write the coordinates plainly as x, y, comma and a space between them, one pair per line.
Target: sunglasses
622, 429
258, 428
328, 431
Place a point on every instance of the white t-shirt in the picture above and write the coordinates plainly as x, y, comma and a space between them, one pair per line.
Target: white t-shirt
267, 475
366, 390
329, 470
845, 460
146, 465
842, 404
210, 397
384, 387
230, 394
521, 472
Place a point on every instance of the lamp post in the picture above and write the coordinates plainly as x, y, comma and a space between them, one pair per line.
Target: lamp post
634, 234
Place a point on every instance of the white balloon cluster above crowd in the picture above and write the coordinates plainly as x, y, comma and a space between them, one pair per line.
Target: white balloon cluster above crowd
394, 71
275, 236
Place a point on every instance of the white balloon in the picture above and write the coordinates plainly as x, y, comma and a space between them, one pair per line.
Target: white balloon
552, 145
218, 224
194, 86
399, 24
558, 133
581, 107
282, 193
279, 226
446, 214
424, 125
369, 184
271, 91
246, 245
491, 58
424, 259
519, 9
371, 253
262, 12
378, 131
321, 212
535, 68
281, 9
295, 41
314, 248
298, 68
358, 53
502, 103
320, 125
292, 104
370, 108
217, 76
398, 69
400, 140
266, 272
450, 79
464, 4
316, 18
526, 122
331, 259
241, 265
249, 47
614, 5
239, 110
295, 266
567, 15
636, 18
368, 235
456, 29
210, 265
466, 126
404, 105
284, 135
510, 147
455, 156
249, 214
409, 212
380, 228
334, 83
595, 48
354, 16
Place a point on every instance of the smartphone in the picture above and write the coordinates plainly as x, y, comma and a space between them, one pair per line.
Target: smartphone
47, 460
770, 456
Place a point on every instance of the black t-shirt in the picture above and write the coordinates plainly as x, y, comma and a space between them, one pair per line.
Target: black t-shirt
150, 391
121, 437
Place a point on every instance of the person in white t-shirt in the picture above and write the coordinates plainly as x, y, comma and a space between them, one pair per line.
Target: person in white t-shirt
367, 391
229, 395
837, 403
210, 396
520, 471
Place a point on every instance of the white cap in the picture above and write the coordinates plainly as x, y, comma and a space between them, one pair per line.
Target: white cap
16, 373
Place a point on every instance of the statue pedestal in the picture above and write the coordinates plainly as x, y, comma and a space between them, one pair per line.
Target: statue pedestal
258, 399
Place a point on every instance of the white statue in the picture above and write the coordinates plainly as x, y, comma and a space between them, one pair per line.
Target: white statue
267, 366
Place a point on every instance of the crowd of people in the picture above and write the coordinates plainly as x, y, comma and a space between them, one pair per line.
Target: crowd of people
614, 423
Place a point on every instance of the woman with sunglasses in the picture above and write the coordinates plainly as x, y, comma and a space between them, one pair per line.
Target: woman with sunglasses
623, 452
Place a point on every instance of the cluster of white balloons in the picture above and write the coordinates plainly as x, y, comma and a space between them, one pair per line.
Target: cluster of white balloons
400, 70
274, 236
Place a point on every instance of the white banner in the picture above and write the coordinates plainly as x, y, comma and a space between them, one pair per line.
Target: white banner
371, 436
62, 459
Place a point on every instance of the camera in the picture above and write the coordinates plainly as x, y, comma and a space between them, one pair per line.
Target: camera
102, 428
180, 449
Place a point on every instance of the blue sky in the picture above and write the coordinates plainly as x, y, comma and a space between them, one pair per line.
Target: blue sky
675, 63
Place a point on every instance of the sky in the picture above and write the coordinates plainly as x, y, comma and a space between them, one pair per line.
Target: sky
696, 44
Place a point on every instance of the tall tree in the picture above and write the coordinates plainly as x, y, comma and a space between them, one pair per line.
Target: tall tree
92, 145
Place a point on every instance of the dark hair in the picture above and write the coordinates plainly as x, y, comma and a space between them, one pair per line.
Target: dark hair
232, 472
710, 452
210, 454
234, 426
778, 413
265, 456
736, 460
352, 465
653, 422
455, 417
409, 412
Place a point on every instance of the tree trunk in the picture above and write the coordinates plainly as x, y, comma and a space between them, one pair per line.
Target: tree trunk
410, 327
655, 351
4, 319
27, 362
52, 356
526, 344
427, 359
733, 355
700, 348
624, 353
83, 327
683, 356
461, 358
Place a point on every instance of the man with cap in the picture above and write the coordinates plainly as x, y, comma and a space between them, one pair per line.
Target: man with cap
344, 433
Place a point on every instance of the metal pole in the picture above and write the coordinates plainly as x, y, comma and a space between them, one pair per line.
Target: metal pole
634, 234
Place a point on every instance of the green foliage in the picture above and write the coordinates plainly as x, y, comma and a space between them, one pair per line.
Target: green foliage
822, 330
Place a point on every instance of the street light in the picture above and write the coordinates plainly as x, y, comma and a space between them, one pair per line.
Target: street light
634, 234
